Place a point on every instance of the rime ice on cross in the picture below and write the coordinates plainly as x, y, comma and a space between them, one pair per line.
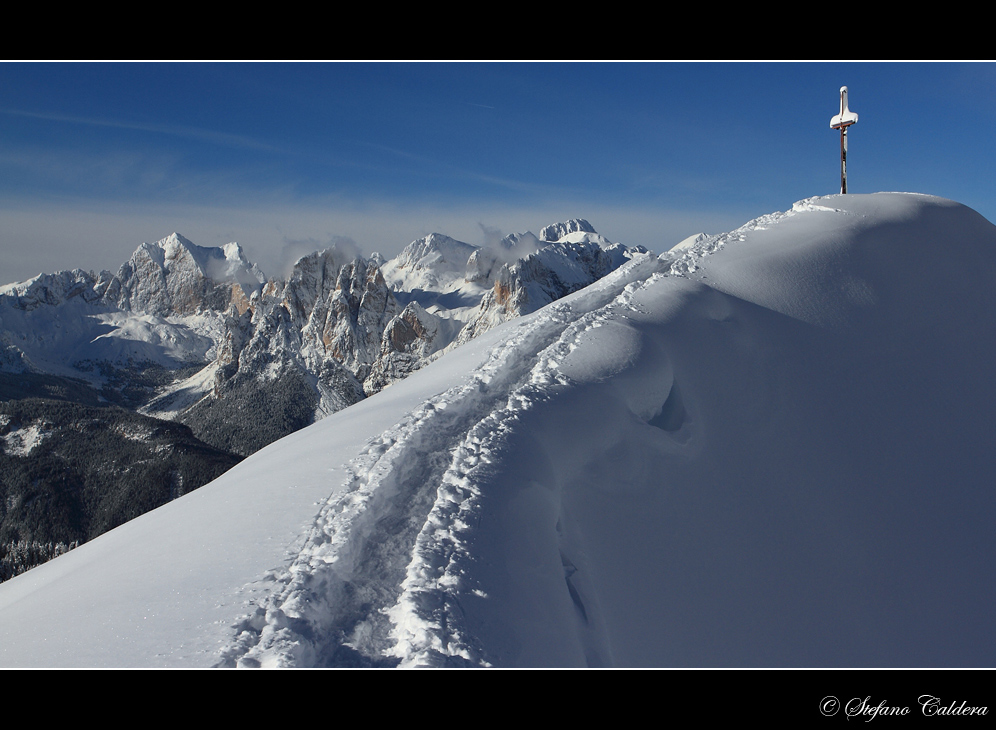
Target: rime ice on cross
842, 121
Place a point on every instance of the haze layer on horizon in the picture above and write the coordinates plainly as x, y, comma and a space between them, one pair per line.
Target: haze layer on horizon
287, 158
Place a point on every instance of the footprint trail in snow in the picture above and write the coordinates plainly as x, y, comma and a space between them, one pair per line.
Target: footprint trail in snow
379, 578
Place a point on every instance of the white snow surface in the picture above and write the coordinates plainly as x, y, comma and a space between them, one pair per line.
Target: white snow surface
22, 441
771, 447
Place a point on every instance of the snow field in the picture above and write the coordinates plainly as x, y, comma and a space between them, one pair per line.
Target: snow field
366, 532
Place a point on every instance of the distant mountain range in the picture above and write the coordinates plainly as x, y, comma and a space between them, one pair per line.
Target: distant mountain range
202, 337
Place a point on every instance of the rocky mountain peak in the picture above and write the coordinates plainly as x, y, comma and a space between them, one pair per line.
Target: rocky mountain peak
435, 251
558, 230
520, 244
175, 276
554, 271
434, 262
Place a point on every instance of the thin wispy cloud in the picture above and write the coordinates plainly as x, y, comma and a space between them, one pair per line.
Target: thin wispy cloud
225, 139
466, 174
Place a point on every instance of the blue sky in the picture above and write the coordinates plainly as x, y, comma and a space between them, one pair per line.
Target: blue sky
288, 157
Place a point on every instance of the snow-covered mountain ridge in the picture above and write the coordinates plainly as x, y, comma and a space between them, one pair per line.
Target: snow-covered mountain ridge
335, 331
766, 448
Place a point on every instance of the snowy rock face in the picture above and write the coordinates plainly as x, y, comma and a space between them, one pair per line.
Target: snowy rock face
318, 336
174, 304
548, 274
560, 230
484, 263
408, 342
433, 263
54, 289
175, 277
359, 312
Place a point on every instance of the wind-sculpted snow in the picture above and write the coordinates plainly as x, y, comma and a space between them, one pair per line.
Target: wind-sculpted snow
390, 565
770, 447
406, 492
645, 420
429, 617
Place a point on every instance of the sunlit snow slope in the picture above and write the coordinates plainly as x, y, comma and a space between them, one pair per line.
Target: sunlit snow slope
771, 447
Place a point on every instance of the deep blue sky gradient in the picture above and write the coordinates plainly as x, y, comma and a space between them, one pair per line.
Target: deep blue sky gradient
96, 157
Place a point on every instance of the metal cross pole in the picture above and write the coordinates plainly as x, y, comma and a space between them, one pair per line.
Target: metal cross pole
842, 121
843, 160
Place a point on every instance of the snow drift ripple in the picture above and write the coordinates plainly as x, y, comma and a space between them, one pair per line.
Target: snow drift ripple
429, 617
332, 606
379, 579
